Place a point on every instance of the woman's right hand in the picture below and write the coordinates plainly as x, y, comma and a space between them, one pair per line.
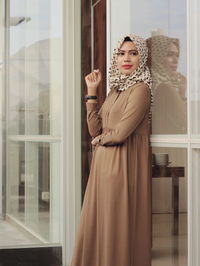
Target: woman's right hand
92, 81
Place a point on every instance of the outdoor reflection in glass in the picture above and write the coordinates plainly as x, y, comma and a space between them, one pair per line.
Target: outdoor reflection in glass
29, 190
170, 106
34, 111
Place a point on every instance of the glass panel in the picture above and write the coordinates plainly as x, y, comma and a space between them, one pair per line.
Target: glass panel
195, 205
34, 93
32, 188
163, 24
16, 181
169, 206
195, 111
35, 69
195, 81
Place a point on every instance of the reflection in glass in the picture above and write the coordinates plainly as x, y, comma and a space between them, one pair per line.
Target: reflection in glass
35, 68
29, 188
16, 181
169, 86
34, 108
169, 206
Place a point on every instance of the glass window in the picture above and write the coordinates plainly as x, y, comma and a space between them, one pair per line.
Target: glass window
163, 24
34, 111
169, 206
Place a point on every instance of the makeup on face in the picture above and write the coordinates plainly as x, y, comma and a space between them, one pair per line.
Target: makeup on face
128, 58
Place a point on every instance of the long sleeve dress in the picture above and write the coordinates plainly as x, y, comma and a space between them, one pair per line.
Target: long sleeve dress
115, 222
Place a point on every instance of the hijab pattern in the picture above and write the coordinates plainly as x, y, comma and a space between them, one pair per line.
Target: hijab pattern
120, 81
158, 47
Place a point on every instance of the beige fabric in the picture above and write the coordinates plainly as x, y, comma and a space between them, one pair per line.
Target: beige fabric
115, 223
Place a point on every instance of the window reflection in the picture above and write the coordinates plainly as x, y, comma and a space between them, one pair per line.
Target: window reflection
169, 85
34, 108
29, 189
169, 206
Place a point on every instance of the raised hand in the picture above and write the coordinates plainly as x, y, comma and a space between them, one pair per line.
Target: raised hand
92, 81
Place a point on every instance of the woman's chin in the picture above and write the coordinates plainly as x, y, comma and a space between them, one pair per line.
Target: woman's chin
127, 72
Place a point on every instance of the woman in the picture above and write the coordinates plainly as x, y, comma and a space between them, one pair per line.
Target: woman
115, 223
169, 86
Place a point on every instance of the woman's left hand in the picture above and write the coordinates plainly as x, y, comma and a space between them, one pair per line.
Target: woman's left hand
95, 141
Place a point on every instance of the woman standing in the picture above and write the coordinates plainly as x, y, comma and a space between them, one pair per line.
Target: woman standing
115, 223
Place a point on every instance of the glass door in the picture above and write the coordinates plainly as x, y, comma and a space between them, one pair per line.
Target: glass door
34, 84
164, 25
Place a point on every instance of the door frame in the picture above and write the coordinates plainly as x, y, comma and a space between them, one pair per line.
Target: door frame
71, 150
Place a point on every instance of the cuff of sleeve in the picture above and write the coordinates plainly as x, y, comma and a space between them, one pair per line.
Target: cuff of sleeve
92, 106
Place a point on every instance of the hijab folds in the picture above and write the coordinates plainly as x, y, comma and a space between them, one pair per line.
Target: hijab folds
120, 81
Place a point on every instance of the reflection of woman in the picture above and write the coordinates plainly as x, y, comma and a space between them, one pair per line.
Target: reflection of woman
115, 224
169, 112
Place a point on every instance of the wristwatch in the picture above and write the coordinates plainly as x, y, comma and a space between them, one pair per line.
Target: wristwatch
88, 97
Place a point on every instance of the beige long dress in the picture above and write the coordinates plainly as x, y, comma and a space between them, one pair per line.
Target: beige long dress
115, 223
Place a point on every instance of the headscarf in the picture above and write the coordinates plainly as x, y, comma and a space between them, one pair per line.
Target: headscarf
158, 48
120, 81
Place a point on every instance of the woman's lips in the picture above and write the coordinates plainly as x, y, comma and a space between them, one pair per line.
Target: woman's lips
173, 67
127, 66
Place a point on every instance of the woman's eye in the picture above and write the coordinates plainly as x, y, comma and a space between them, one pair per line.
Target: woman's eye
131, 53
134, 53
172, 54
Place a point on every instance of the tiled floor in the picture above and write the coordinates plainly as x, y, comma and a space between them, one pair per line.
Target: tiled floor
168, 250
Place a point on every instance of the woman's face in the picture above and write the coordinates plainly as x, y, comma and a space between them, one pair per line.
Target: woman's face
128, 58
171, 60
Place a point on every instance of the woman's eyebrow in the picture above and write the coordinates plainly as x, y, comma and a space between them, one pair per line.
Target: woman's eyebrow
127, 50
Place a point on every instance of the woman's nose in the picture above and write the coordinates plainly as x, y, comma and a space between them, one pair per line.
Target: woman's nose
126, 57
175, 59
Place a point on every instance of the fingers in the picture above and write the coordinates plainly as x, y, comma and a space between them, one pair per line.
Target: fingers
94, 76
96, 71
95, 141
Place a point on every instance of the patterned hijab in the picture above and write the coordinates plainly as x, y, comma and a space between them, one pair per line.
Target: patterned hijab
120, 81
158, 49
